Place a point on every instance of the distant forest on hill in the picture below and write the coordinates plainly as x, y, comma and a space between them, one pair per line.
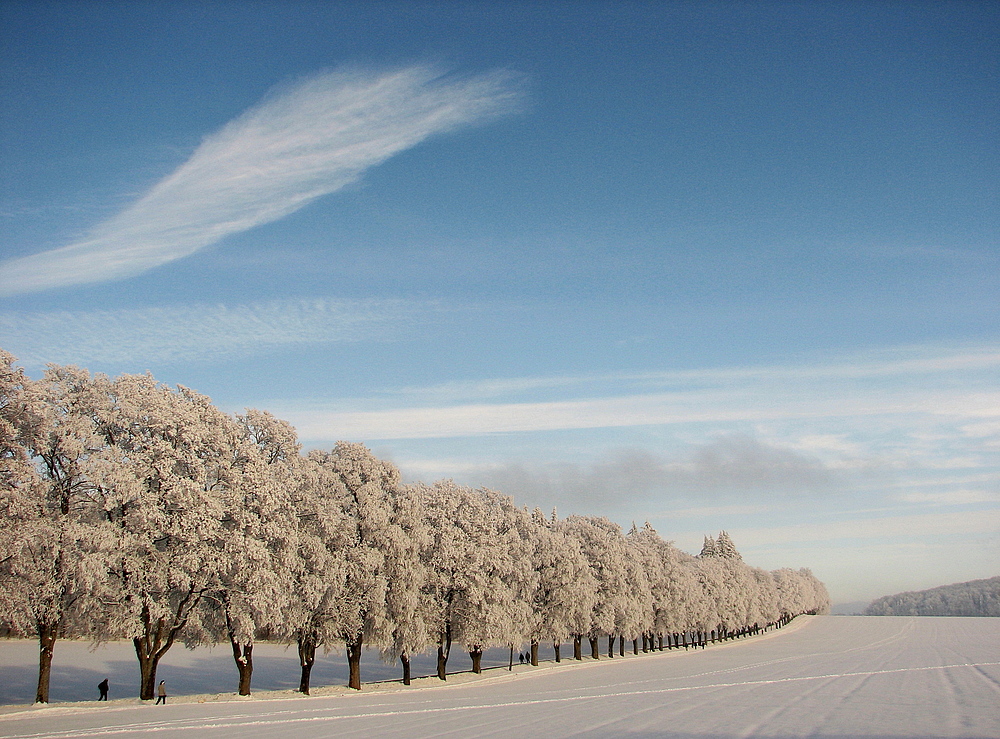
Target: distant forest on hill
973, 598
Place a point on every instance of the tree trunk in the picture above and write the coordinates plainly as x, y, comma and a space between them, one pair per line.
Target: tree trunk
47, 634
621, 646
307, 657
404, 659
534, 652
243, 654
147, 669
442, 662
577, 647
555, 648
595, 648
444, 649
149, 648
611, 646
477, 659
354, 662
635, 646
158, 637
660, 639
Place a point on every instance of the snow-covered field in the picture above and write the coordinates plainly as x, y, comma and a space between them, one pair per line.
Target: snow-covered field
819, 677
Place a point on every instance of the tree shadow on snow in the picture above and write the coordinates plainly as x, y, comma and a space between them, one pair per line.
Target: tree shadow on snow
77, 669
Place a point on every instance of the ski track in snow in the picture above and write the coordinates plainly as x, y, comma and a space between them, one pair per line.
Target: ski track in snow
882, 683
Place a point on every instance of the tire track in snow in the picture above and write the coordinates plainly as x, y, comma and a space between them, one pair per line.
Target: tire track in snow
991, 681
258, 720
892, 638
778, 711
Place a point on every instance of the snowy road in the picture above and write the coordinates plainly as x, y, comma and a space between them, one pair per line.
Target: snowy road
823, 677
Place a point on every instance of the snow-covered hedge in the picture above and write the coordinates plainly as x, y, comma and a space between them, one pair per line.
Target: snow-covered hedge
129, 509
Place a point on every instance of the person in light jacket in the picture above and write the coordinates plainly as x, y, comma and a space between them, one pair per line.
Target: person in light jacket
161, 693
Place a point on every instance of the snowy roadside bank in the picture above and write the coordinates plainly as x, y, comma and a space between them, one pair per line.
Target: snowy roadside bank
190, 674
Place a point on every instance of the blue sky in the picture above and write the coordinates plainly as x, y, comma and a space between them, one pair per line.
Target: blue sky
714, 265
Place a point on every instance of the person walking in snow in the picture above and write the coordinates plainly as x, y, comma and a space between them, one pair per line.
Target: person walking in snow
103, 687
161, 693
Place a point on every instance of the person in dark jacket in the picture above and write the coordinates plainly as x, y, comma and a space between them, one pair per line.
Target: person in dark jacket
103, 687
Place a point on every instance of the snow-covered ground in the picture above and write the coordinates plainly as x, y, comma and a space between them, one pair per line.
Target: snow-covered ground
819, 677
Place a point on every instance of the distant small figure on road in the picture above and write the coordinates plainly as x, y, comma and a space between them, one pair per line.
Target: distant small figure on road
103, 687
161, 693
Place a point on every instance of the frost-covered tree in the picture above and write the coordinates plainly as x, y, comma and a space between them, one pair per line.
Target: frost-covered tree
764, 608
163, 476
634, 613
710, 609
742, 595
499, 610
672, 585
566, 591
53, 537
732, 584
312, 613
19, 421
603, 545
20, 483
410, 608
476, 568
687, 595
799, 592
818, 597
373, 540
259, 553
724, 547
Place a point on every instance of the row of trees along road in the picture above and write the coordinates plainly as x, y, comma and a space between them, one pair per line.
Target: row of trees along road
132, 510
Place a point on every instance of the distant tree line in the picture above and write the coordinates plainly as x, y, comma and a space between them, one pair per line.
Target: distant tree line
132, 510
973, 598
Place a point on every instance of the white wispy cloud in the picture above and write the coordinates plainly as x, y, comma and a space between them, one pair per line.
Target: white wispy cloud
932, 381
885, 363
633, 410
194, 332
299, 144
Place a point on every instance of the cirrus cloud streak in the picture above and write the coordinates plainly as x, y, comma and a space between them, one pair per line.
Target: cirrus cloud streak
636, 410
295, 146
202, 332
